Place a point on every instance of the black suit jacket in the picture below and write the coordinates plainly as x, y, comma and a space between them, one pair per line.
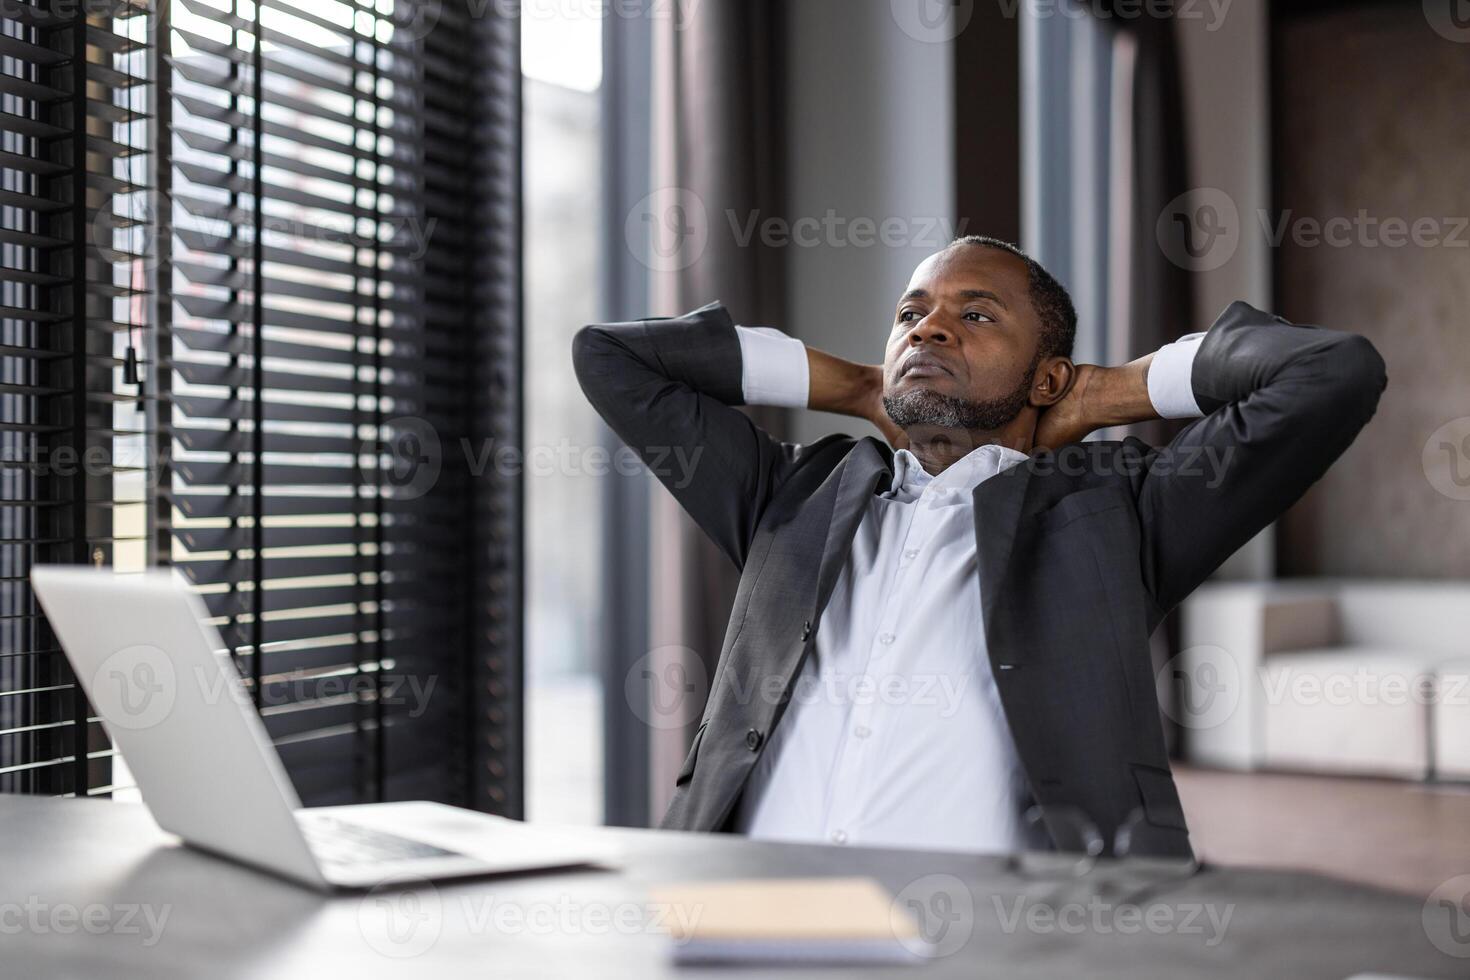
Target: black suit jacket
1080, 552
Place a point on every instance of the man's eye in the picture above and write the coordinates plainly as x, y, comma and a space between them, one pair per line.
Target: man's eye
979, 317
907, 316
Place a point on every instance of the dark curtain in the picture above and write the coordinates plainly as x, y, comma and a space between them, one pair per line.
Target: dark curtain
1163, 305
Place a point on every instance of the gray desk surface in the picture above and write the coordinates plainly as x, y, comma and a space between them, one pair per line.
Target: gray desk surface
91, 888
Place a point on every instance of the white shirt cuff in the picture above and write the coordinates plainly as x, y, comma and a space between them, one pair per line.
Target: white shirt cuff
1170, 384
773, 368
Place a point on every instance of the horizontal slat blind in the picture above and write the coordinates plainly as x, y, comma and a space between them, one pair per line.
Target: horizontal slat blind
320, 353
74, 141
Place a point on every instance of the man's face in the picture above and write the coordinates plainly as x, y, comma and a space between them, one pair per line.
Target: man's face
964, 343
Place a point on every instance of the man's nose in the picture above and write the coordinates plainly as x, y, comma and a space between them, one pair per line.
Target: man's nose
930, 330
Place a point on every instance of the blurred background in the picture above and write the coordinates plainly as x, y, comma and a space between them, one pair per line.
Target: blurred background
305, 275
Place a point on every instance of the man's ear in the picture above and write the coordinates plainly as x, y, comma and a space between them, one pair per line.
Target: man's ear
1052, 381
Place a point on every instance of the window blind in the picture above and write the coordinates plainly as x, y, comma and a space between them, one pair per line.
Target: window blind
73, 178
343, 332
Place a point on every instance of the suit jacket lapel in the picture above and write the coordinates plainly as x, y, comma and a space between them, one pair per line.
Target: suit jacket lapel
831, 516
861, 473
998, 504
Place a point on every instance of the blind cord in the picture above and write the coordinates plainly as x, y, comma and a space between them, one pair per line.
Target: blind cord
131, 373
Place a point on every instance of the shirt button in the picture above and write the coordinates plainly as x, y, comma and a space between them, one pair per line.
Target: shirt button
839, 837
752, 740
886, 638
862, 731
911, 553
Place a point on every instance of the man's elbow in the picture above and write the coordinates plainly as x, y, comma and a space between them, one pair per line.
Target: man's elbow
590, 347
1361, 373
585, 344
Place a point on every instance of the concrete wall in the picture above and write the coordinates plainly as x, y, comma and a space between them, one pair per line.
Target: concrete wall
1372, 107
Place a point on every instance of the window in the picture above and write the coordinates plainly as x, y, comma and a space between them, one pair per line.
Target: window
562, 60
332, 268
323, 345
73, 168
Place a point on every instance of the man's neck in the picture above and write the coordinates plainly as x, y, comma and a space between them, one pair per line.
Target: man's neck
938, 449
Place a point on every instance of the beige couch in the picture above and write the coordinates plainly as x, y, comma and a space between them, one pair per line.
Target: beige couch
1332, 676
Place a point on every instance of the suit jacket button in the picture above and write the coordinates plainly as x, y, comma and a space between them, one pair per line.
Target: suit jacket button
752, 740
806, 630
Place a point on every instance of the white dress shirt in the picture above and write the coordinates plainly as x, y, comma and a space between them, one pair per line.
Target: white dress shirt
895, 735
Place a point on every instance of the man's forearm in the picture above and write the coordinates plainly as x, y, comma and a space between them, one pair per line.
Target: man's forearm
842, 386
1120, 395
1099, 397
781, 370
1107, 396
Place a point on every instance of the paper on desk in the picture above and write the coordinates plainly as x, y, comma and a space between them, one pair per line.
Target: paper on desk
784, 920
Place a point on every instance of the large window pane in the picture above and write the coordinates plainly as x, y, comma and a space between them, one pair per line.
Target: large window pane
561, 61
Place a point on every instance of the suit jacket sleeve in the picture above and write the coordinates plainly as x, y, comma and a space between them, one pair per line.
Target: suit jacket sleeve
668, 388
1282, 402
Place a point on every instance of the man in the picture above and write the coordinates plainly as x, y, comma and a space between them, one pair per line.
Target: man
930, 638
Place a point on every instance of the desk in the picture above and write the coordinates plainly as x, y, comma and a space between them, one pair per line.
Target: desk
91, 889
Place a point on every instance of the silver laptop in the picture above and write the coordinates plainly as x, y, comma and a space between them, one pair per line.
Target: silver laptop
158, 675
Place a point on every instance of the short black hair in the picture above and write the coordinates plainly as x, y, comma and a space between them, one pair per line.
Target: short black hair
1052, 303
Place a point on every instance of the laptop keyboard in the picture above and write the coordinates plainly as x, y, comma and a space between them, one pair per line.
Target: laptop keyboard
335, 841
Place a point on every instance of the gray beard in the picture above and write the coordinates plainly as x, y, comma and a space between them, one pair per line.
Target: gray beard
923, 407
